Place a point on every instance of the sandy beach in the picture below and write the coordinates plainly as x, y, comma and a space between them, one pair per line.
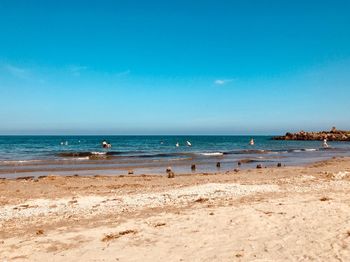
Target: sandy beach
269, 214
194, 131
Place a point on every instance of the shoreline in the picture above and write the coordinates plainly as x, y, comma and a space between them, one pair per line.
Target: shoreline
96, 168
193, 217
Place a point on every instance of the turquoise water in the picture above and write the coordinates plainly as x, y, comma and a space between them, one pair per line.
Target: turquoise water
67, 154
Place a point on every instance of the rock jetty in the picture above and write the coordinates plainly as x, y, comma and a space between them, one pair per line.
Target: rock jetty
332, 135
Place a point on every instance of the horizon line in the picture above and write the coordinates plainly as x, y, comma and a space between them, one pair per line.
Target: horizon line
139, 134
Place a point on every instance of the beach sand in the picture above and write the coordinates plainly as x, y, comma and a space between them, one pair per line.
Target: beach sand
268, 214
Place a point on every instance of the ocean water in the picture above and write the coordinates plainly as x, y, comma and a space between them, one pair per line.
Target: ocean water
67, 155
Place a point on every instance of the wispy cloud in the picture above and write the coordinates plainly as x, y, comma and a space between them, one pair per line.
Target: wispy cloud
221, 82
43, 74
19, 72
76, 69
123, 73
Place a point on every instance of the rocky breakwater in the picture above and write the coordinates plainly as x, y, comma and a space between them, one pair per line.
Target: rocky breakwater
332, 135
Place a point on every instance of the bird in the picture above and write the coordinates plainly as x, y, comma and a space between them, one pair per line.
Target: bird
188, 143
177, 144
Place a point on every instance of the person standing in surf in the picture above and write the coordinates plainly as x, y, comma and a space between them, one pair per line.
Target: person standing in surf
325, 145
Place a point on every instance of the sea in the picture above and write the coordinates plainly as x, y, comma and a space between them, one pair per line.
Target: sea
84, 155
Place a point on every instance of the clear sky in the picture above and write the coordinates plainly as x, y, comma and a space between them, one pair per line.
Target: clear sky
174, 67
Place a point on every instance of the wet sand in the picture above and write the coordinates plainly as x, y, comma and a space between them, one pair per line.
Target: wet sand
268, 214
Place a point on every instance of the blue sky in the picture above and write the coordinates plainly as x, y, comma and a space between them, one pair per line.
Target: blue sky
173, 67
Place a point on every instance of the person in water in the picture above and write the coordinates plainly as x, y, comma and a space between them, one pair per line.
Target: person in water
251, 142
325, 145
106, 144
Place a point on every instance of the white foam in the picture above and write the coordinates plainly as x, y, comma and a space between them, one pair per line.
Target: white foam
74, 158
212, 154
82, 158
18, 161
98, 153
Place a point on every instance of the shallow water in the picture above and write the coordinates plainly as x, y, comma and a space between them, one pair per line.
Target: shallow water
67, 155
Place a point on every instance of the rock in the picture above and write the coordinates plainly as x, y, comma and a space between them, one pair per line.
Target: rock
39, 232
130, 172
25, 178
332, 135
170, 173
236, 170
246, 161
